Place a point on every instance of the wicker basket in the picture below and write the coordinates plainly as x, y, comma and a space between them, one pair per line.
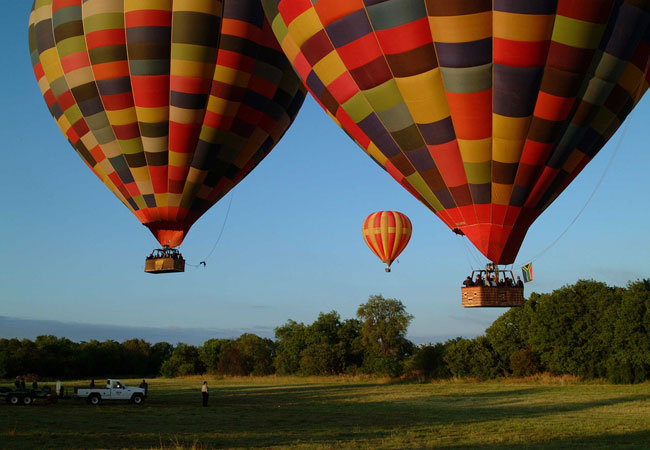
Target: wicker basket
492, 296
164, 265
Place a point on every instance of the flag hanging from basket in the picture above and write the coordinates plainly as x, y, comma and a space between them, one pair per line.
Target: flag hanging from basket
527, 272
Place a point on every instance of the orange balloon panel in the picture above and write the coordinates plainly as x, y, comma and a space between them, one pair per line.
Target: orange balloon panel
387, 233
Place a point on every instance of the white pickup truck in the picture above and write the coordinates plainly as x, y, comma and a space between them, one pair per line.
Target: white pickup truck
114, 390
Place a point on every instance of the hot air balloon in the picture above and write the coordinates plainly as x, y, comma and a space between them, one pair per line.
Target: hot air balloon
485, 110
387, 233
170, 103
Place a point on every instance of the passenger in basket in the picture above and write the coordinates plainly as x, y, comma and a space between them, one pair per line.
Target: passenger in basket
520, 284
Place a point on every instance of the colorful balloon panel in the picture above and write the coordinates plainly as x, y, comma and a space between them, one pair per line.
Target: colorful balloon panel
485, 110
170, 102
387, 233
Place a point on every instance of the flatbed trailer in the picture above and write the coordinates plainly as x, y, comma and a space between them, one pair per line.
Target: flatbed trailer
27, 396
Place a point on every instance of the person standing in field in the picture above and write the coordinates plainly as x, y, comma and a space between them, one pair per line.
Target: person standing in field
204, 393
145, 386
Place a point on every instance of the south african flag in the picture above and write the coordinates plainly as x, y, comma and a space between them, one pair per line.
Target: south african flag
527, 272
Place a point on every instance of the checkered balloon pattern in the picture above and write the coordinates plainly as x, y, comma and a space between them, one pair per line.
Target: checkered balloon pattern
169, 102
485, 110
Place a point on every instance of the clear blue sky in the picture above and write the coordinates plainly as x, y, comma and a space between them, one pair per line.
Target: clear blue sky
292, 246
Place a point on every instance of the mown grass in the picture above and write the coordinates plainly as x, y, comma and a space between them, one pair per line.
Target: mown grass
323, 413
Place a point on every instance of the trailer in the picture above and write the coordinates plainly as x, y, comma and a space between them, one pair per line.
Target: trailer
26, 397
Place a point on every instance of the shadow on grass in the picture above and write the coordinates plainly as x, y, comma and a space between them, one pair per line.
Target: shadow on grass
632, 440
276, 415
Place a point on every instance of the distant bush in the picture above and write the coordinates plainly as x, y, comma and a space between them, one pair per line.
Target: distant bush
472, 358
184, 360
427, 362
248, 355
524, 363
623, 370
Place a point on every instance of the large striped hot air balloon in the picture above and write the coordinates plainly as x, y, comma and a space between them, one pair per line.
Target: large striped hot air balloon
387, 233
485, 110
170, 102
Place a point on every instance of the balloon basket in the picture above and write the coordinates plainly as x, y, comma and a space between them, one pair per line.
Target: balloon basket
387, 269
164, 260
492, 297
492, 288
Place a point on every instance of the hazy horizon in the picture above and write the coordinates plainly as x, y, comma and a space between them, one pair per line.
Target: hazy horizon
25, 328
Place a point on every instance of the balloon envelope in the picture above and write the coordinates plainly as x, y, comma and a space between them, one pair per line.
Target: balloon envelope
485, 110
170, 102
387, 233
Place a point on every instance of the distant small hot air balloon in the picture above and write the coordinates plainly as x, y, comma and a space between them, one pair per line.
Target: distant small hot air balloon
387, 233
170, 103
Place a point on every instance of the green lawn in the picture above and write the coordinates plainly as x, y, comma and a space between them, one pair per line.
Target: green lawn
343, 413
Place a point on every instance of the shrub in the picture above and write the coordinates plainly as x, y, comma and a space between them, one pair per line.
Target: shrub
524, 363
472, 358
428, 362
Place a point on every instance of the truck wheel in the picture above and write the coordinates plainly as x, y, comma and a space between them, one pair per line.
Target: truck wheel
13, 399
137, 399
27, 400
94, 399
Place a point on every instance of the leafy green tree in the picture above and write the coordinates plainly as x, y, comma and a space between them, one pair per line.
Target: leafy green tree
384, 323
472, 358
571, 328
351, 345
629, 360
113, 361
323, 354
427, 362
327, 346
248, 355
17, 357
55, 357
136, 354
183, 361
92, 360
291, 340
258, 353
209, 353
508, 334
524, 362
232, 361
160, 352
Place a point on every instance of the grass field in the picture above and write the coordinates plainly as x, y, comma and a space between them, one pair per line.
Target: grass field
321, 413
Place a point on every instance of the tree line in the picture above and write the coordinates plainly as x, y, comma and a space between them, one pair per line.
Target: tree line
374, 342
588, 329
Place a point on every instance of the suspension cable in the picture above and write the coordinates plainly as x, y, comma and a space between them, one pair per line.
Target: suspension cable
223, 227
602, 177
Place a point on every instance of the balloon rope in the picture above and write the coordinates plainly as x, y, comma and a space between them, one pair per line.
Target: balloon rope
223, 227
471, 251
602, 177
467, 253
